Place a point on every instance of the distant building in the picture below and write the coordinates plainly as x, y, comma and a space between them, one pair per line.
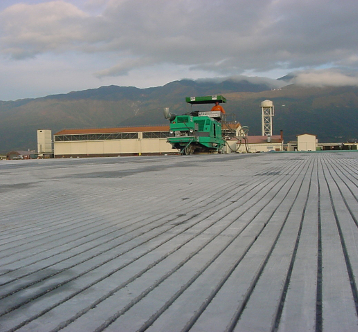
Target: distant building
291, 146
44, 143
112, 142
254, 144
337, 146
20, 155
306, 142
147, 140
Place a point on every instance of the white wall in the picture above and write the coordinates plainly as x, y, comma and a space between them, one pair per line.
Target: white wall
306, 142
44, 141
113, 147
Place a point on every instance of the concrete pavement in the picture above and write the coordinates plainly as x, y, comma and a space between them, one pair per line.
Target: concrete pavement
256, 242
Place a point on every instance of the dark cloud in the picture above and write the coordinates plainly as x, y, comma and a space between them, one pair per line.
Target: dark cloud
222, 35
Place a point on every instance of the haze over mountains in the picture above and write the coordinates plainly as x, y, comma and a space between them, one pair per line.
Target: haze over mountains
328, 112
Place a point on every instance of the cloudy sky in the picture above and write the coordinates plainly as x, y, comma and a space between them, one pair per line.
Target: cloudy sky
50, 47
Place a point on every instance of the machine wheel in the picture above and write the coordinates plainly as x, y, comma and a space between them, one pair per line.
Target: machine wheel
188, 150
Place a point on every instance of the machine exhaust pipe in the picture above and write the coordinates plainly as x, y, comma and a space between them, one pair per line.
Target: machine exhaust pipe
168, 115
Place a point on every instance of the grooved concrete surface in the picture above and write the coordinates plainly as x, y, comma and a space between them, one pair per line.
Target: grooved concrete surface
260, 242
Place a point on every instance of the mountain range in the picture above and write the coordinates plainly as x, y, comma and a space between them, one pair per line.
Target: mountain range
328, 112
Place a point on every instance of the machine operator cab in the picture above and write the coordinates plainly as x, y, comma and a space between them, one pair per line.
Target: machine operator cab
217, 115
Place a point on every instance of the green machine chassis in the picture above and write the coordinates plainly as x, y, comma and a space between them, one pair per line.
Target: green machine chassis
197, 131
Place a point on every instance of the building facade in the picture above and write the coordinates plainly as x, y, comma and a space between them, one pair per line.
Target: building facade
44, 143
306, 142
254, 144
112, 142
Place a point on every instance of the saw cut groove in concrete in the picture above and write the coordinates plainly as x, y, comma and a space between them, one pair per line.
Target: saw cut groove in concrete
260, 242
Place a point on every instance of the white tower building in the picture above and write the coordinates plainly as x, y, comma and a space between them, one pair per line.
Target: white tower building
44, 142
268, 112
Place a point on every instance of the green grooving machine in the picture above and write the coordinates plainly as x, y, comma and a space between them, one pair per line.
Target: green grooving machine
197, 131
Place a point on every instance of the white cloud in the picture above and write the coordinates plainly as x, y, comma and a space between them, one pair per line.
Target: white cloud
323, 78
28, 30
251, 79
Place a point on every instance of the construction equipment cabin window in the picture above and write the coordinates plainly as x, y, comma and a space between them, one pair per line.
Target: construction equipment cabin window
182, 119
201, 124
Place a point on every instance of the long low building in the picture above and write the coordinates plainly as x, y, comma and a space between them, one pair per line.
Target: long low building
254, 144
106, 142
102, 142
